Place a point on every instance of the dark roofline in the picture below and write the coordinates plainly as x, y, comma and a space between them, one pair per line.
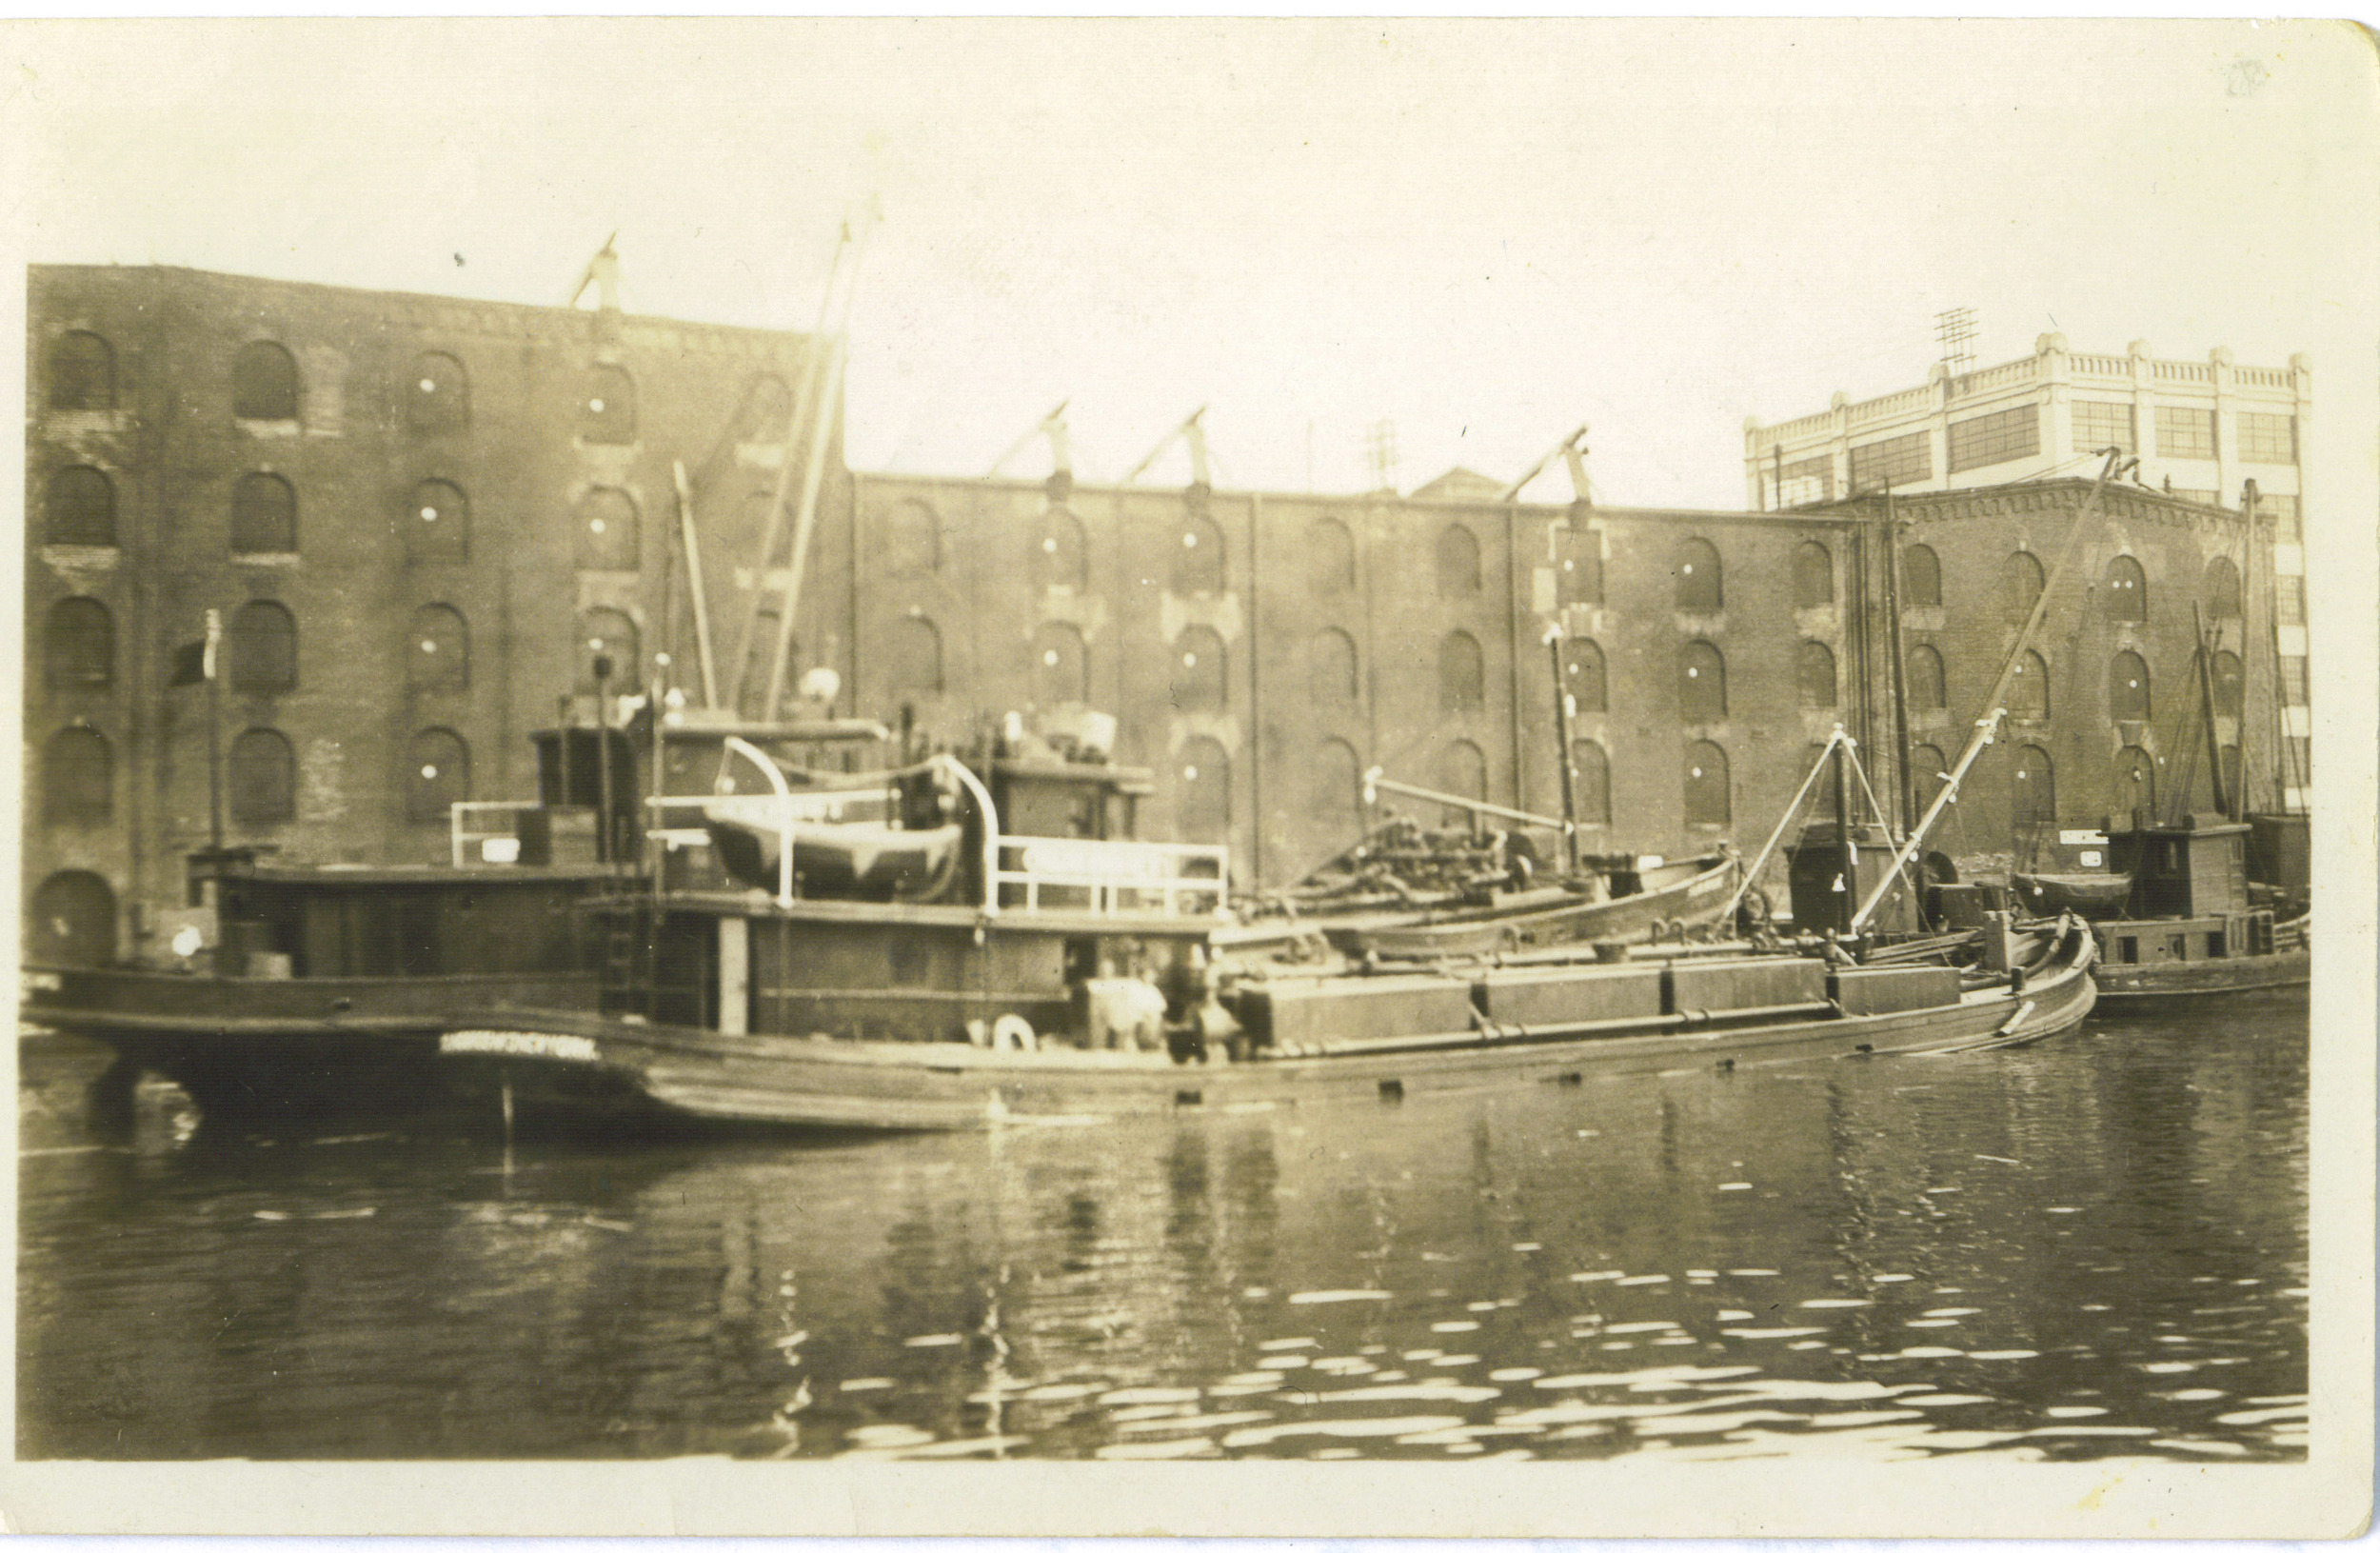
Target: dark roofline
1359, 500
525, 311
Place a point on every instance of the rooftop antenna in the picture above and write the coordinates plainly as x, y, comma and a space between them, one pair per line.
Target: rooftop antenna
1955, 331
1380, 447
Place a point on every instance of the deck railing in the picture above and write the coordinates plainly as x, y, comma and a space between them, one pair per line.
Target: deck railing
1175, 879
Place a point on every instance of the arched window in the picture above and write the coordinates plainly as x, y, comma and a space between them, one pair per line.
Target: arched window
2020, 584
1198, 664
437, 775
264, 384
1700, 587
438, 654
913, 539
263, 642
767, 411
2128, 688
1814, 576
1927, 692
2135, 780
2230, 684
1817, 676
264, 516
913, 656
77, 778
2029, 689
1461, 675
73, 920
438, 523
1702, 684
1921, 578
1060, 552
438, 396
2127, 588
2223, 592
1463, 771
1457, 563
608, 406
262, 773
1577, 567
1591, 782
1203, 804
607, 531
1583, 679
1707, 795
1329, 558
1331, 669
80, 507
609, 633
1062, 672
79, 646
82, 372
2033, 799
1198, 556
1334, 794
1928, 774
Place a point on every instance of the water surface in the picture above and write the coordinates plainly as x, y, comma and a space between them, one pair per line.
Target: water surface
2091, 1248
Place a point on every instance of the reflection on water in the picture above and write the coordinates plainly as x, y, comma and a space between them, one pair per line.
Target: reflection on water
2092, 1247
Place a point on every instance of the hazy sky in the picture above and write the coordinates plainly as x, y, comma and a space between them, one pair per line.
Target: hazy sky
1486, 234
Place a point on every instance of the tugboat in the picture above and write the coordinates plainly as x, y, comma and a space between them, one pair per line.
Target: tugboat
296, 990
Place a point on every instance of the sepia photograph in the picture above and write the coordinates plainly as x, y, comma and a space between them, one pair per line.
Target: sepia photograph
1303, 777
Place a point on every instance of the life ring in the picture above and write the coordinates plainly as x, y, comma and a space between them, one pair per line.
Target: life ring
1013, 1032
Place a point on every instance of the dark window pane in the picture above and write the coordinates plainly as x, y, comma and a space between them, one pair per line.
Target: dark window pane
261, 778
80, 507
79, 646
264, 516
264, 384
78, 778
262, 643
82, 372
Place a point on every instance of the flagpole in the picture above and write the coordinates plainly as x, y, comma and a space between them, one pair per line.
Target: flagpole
215, 730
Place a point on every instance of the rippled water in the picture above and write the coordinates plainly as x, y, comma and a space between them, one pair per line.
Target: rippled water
2088, 1248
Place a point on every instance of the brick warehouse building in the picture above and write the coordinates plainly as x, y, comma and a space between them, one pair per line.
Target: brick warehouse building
1264, 649
2201, 428
416, 514
413, 514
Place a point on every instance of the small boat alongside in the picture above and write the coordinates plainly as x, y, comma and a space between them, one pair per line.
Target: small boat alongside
2192, 928
1632, 900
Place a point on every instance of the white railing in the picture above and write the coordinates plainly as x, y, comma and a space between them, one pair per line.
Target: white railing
2265, 377
1115, 877
1891, 405
467, 839
2185, 372
2100, 366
